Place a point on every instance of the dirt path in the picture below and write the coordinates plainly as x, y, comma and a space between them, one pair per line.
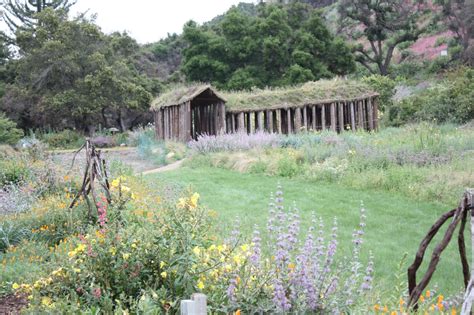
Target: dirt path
166, 168
127, 156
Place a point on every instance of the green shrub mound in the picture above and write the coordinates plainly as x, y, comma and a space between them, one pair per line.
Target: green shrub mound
9, 134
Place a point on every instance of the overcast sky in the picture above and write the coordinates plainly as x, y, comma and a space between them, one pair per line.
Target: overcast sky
150, 20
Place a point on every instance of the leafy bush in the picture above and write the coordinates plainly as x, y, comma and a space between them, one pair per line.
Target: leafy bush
384, 86
66, 139
145, 255
9, 134
233, 142
450, 101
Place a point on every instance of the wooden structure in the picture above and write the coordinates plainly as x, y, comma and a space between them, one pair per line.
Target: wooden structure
457, 216
187, 112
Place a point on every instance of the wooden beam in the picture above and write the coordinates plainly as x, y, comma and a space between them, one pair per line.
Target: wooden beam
353, 123
305, 118
333, 116
376, 112
259, 120
360, 115
249, 123
288, 120
280, 121
270, 121
370, 111
323, 116
313, 114
241, 122
297, 119
341, 116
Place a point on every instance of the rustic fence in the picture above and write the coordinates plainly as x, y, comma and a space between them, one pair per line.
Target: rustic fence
357, 114
459, 216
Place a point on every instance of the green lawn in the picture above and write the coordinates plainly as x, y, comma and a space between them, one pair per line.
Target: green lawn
395, 224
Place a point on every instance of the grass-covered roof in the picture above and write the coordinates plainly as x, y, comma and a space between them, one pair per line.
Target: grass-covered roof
181, 94
323, 91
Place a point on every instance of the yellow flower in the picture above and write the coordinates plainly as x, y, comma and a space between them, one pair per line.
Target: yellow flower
125, 256
244, 247
440, 298
134, 246
163, 274
428, 293
181, 203
46, 301
376, 307
194, 200
385, 308
15, 286
237, 312
453, 311
393, 313
291, 266
77, 270
162, 264
112, 250
422, 298
200, 285
196, 251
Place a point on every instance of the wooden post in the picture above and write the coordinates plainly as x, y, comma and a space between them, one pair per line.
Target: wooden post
269, 121
323, 116
297, 119
280, 121
201, 303
360, 116
259, 121
333, 116
188, 307
305, 118
353, 123
249, 123
313, 114
241, 122
341, 116
376, 112
288, 116
371, 114
159, 124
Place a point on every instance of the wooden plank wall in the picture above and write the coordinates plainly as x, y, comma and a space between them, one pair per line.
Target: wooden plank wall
184, 122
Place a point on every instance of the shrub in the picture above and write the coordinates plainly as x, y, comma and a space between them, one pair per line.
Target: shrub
233, 142
66, 139
384, 86
103, 141
447, 102
9, 134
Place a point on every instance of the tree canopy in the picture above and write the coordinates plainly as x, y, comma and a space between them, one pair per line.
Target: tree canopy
382, 26
280, 45
71, 74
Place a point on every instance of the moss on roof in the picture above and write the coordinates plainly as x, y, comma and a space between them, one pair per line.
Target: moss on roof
323, 91
181, 94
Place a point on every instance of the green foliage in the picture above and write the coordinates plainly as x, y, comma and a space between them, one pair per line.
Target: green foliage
384, 86
448, 101
72, 75
66, 139
9, 134
281, 45
384, 24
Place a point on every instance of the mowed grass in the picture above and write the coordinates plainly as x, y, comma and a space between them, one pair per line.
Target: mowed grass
395, 224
